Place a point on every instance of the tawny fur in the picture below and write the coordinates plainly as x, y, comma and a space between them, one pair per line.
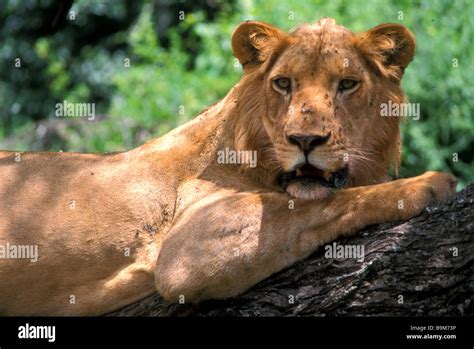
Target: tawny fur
195, 229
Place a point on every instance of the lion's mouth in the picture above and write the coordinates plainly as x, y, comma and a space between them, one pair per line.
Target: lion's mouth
311, 174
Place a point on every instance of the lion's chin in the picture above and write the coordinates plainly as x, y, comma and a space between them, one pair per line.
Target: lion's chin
307, 190
310, 183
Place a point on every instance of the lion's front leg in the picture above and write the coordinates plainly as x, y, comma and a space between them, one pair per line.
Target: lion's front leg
220, 247
388, 202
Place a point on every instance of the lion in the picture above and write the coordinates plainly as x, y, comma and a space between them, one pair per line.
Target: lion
168, 217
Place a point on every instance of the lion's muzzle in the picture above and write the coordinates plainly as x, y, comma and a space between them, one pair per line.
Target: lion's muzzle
308, 174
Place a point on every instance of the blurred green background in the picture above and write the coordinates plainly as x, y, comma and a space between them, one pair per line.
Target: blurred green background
181, 61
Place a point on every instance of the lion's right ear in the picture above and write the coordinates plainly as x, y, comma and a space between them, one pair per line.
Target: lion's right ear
253, 42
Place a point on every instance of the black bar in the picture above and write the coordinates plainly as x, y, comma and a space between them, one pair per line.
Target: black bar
373, 331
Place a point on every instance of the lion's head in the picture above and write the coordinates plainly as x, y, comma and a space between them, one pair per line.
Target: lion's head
309, 102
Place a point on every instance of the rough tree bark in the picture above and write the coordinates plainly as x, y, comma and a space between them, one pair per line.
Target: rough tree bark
422, 267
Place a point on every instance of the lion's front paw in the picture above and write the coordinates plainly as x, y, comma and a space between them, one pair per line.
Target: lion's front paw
440, 185
423, 191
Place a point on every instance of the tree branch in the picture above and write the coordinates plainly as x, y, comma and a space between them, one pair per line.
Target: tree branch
422, 267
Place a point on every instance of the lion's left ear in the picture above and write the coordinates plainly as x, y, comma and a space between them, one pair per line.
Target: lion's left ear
253, 42
390, 47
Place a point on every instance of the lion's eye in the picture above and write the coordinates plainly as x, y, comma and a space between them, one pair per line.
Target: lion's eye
347, 84
282, 84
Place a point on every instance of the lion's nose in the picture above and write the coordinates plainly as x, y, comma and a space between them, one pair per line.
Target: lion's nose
308, 143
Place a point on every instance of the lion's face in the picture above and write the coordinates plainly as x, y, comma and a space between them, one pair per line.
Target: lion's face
322, 90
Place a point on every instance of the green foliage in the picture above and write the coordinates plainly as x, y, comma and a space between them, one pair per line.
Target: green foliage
46, 57
173, 77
